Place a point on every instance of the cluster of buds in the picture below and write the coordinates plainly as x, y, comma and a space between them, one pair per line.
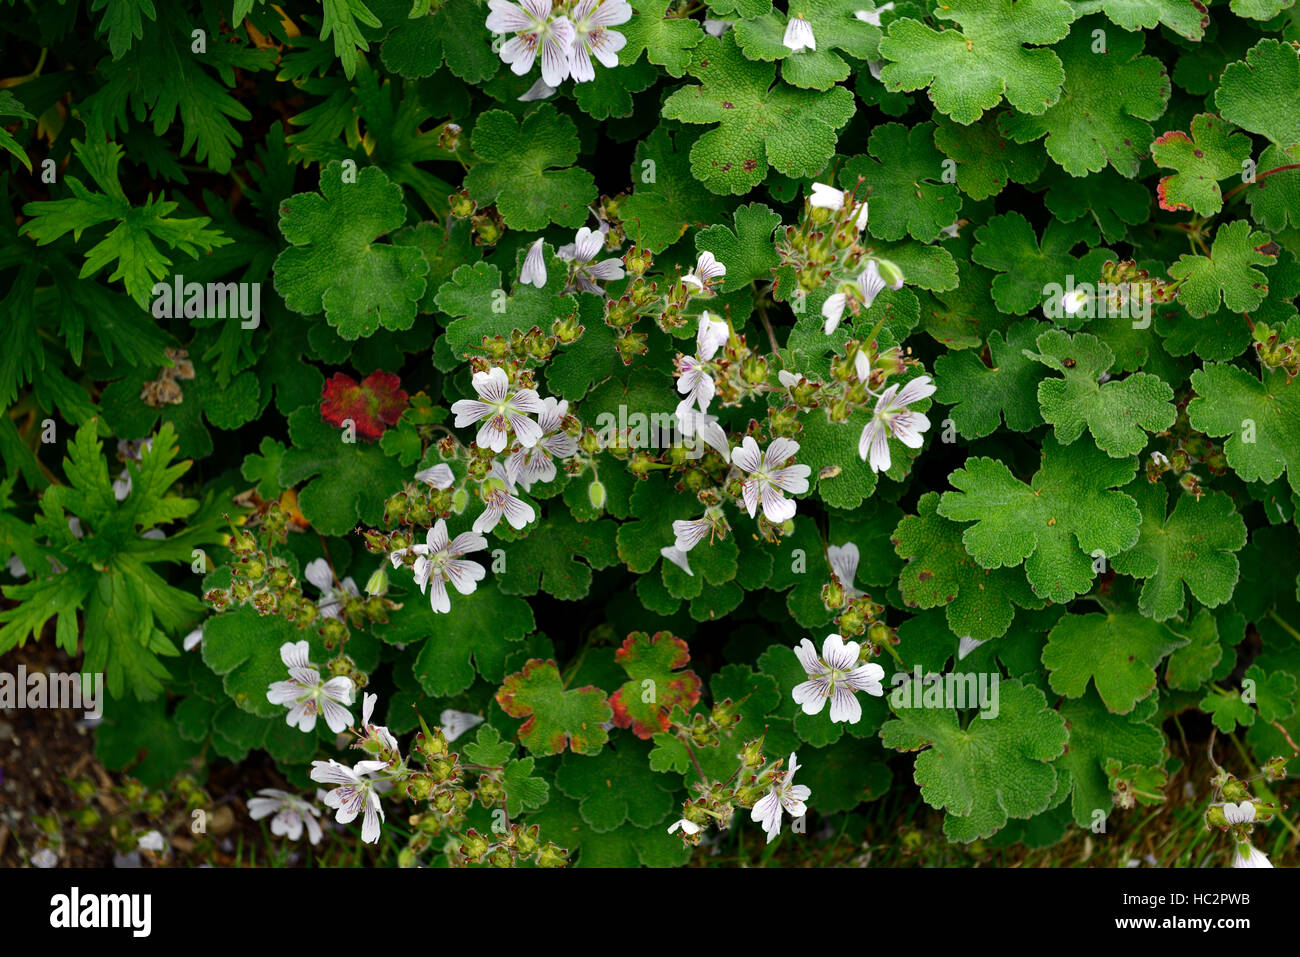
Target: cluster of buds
1275, 352
521, 346
1188, 448
1131, 785
515, 844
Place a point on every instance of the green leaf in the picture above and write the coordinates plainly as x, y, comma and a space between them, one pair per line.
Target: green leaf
473, 295
1259, 94
986, 162
1007, 245
333, 264
906, 195
667, 41
1260, 418
1212, 153
9, 106
1193, 544
666, 199
991, 770
1227, 273
556, 718
748, 251
1117, 651
1055, 525
1187, 17
517, 169
982, 397
547, 558
1115, 412
617, 785
758, 124
1102, 116
834, 26
244, 648
123, 21
980, 603
1096, 737
969, 70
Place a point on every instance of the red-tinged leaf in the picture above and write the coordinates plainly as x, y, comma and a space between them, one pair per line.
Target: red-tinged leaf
375, 404
655, 687
556, 718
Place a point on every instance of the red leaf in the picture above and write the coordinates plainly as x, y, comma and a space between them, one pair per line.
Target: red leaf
375, 404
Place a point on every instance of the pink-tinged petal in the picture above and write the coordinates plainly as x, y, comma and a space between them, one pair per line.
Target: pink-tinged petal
464, 574
439, 600
561, 445
336, 716
793, 479
844, 562
520, 52
533, 272
467, 542
779, 450
518, 512
581, 69
440, 476
469, 411
302, 717
867, 678
749, 492
746, 456
914, 391
806, 652
776, 507
283, 692
605, 44
688, 534
873, 446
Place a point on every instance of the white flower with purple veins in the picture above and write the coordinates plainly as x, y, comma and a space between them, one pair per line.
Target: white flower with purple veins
836, 677
685, 826
455, 723
893, 417
783, 796
439, 476
1243, 813
799, 35
694, 382
500, 501
354, 795
592, 36
533, 271
292, 814
844, 563
438, 562
306, 695
535, 30
193, 639
536, 464
769, 479
375, 732
332, 599
870, 285
711, 336
586, 246
705, 426
501, 410
707, 268
678, 557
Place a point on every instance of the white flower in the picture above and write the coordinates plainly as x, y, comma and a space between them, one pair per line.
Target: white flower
873, 17
844, 563
874, 67
332, 599
307, 696
966, 645
835, 676
456, 723
439, 476
439, 562
502, 409
530, 21
707, 268
833, 311
193, 639
501, 500
1247, 855
893, 416
711, 335
375, 732
1073, 301
592, 36
685, 826
693, 423
582, 252
716, 28
768, 480
152, 841
870, 284
1243, 813
540, 90
789, 379
785, 796
45, 858
799, 35
678, 557
534, 268
688, 534
694, 382
354, 794
535, 464
825, 196
292, 814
